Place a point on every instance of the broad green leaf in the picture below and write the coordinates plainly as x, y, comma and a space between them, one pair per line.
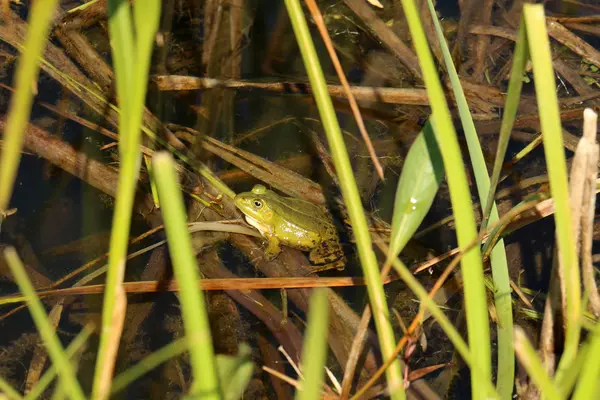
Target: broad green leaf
419, 181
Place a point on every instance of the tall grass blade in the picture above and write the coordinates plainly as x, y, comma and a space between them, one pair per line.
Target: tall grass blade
351, 196
314, 349
541, 58
131, 56
515, 84
44, 327
28, 68
472, 267
533, 365
422, 173
499, 264
193, 307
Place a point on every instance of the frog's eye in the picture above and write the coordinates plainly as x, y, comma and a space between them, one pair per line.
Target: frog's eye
257, 203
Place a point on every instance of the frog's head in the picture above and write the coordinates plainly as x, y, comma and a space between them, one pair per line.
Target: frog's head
255, 204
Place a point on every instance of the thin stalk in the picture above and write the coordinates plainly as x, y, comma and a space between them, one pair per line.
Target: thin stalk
515, 84
351, 195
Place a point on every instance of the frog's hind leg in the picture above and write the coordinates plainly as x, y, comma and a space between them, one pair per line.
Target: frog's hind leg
328, 255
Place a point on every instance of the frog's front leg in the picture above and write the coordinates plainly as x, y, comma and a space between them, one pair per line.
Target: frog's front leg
273, 247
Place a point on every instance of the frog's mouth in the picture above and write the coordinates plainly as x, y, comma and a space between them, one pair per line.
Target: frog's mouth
262, 228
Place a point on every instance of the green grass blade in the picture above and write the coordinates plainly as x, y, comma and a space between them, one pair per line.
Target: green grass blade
7, 390
193, 307
587, 384
235, 372
533, 365
422, 173
148, 363
44, 327
515, 84
499, 264
574, 372
541, 58
472, 267
131, 58
122, 50
73, 347
28, 69
356, 212
455, 337
314, 349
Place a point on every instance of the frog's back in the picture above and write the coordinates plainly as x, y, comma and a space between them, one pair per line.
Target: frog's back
304, 214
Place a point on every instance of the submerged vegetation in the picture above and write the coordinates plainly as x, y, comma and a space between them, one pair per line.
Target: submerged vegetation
130, 127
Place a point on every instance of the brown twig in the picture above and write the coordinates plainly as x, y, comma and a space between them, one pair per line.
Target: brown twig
573, 42
482, 43
379, 94
208, 284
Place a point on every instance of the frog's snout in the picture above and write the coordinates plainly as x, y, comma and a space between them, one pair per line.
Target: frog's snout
238, 201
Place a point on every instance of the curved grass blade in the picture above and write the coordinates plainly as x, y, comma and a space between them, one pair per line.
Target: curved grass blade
455, 337
44, 327
499, 264
314, 349
351, 196
76, 345
471, 265
420, 179
235, 372
533, 365
28, 69
148, 363
193, 307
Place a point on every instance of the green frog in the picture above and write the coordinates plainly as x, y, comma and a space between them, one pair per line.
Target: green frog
295, 223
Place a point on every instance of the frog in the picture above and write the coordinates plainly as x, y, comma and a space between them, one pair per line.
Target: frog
295, 223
